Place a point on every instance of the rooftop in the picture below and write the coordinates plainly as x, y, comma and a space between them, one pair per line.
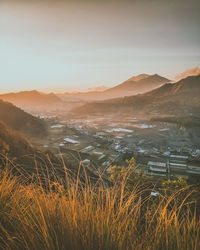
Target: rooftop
157, 164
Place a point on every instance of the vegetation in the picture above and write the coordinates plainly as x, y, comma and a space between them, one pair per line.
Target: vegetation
13, 143
16, 149
19, 120
71, 214
184, 121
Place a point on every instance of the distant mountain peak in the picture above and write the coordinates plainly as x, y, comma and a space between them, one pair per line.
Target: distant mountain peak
145, 77
138, 77
142, 84
157, 76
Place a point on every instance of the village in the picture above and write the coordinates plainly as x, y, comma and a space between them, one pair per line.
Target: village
160, 149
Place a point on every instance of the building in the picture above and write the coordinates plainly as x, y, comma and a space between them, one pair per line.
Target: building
85, 163
178, 162
157, 168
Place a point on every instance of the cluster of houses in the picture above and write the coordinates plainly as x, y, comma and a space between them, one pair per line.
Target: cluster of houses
111, 140
176, 165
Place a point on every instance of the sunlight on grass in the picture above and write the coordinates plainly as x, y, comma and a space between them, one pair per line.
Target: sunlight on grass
74, 215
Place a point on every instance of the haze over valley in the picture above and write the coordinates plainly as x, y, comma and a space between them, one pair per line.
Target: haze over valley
146, 116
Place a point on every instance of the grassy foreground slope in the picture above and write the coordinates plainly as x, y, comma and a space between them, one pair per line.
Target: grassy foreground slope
28, 159
81, 216
16, 148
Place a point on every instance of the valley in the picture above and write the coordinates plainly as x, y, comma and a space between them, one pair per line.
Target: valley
151, 127
102, 141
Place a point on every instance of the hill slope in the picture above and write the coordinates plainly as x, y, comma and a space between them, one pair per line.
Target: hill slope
26, 157
137, 85
17, 151
182, 97
19, 120
13, 143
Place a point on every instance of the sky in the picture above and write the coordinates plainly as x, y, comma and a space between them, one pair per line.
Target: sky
54, 45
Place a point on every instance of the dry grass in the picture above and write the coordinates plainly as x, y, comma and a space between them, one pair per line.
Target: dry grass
84, 216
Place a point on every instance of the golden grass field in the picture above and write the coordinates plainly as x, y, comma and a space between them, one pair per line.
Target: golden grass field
78, 216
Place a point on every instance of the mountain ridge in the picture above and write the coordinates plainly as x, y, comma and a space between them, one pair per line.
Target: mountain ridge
32, 97
169, 98
134, 85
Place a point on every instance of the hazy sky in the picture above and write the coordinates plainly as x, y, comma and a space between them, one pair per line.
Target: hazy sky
74, 45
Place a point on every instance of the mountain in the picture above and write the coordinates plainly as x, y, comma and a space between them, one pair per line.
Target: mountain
138, 78
19, 120
188, 87
31, 98
135, 85
182, 97
190, 72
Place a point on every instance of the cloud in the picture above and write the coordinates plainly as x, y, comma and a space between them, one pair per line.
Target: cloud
99, 88
190, 72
